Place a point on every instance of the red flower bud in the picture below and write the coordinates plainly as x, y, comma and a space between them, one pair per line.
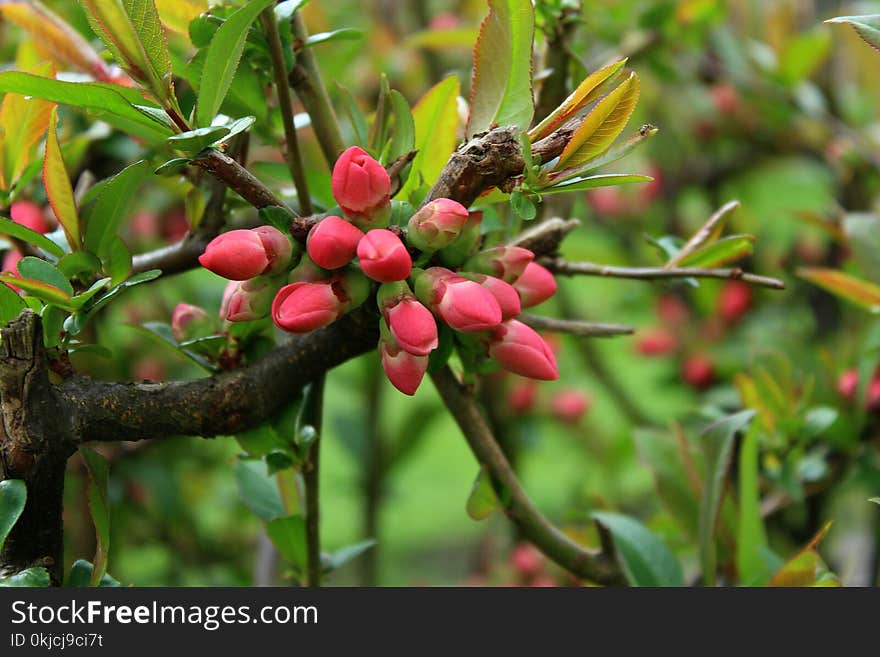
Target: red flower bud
671, 309
29, 215
242, 254
848, 384
519, 349
189, 322
383, 257
412, 326
570, 405
436, 225
332, 242
527, 560
362, 187
505, 262
734, 300
302, 307
657, 342
535, 285
250, 300
698, 371
521, 397
872, 396
504, 293
464, 305
403, 369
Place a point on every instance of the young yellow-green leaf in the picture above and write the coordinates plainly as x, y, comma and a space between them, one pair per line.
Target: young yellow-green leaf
435, 117
806, 568
591, 182
585, 94
721, 252
403, 135
867, 27
501, 91
39, 289
99, 505
58, 189
109, 210
178, 14
131, 30
602, 125
9, 227
856, 290
483, 500
221, 62
54, 34
23, 122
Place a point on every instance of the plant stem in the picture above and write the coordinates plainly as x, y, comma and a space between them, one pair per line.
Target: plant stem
306, 80
291, 152
374, 473
576, 327
313, 410
596, 567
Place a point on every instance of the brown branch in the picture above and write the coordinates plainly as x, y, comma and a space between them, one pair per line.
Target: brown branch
237, 178
596, 567
575, 326
560, 266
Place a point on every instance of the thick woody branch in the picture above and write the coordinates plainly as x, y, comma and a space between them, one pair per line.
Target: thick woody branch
596, 567
560, 266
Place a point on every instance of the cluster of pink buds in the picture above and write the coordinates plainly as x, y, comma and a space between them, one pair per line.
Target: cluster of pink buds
477, 294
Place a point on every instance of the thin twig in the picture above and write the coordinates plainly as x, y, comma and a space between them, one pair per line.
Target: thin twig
702, 235
313, 411
291, 151
237, 178
560, 266
596, 567
575, 326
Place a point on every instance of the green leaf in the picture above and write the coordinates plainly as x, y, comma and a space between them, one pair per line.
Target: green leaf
12, 229
856, 290
81, 299
806, 568
29, 578
53, 325
131, 30
483, 499
523, 206
721, 252
751, 537
602, 125
193, 141
435, 118
344, 555
239, 125
645, 559
80, 576
867, 27
355, 116
258, 490
81, 262
342, 34
592, 182
13, 496
818, 420
99, 506
40, 270
111, 103
38, 289
58, 188
875, 500
221, 62
718, 442
275, 215
501, 93
172, 167
117, 261
863, 237
403, 136
11, 304
288, 535
111, 207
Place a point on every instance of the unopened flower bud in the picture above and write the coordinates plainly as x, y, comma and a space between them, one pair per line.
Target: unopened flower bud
302, 307
436, 225
412, 325
251, 300
464, 305
30, 215
189, 322
569, 406
242, 254
383, 257
332, 242
362, 188
535, 285
504, 293
519, 349
403, 369
505, 262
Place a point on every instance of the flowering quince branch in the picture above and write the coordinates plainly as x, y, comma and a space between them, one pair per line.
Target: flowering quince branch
576, 327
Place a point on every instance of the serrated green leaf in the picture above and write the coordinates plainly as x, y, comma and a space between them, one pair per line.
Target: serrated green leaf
602, 125
644, 558
12, 229
13, 497
40, 270
117, 261
221, 61
110, 209
867, 27
58, 188
501, 92
592, 182
257, 490
403, 135
721, 252
193, 141
99, 506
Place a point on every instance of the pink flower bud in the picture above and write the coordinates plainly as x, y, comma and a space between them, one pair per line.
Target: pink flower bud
383, 257
519, 349
698, 371
250, 300
412, 326
521, 397
332, 242
504, 293
403, 369
302, 307
242, 254
29, 215
569, 406
188, 322
527, 560
436, 225
657, 341
848, 384
10, 265
361, 186
734, 300
505, 262
872, 396
535, 286
464, 305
